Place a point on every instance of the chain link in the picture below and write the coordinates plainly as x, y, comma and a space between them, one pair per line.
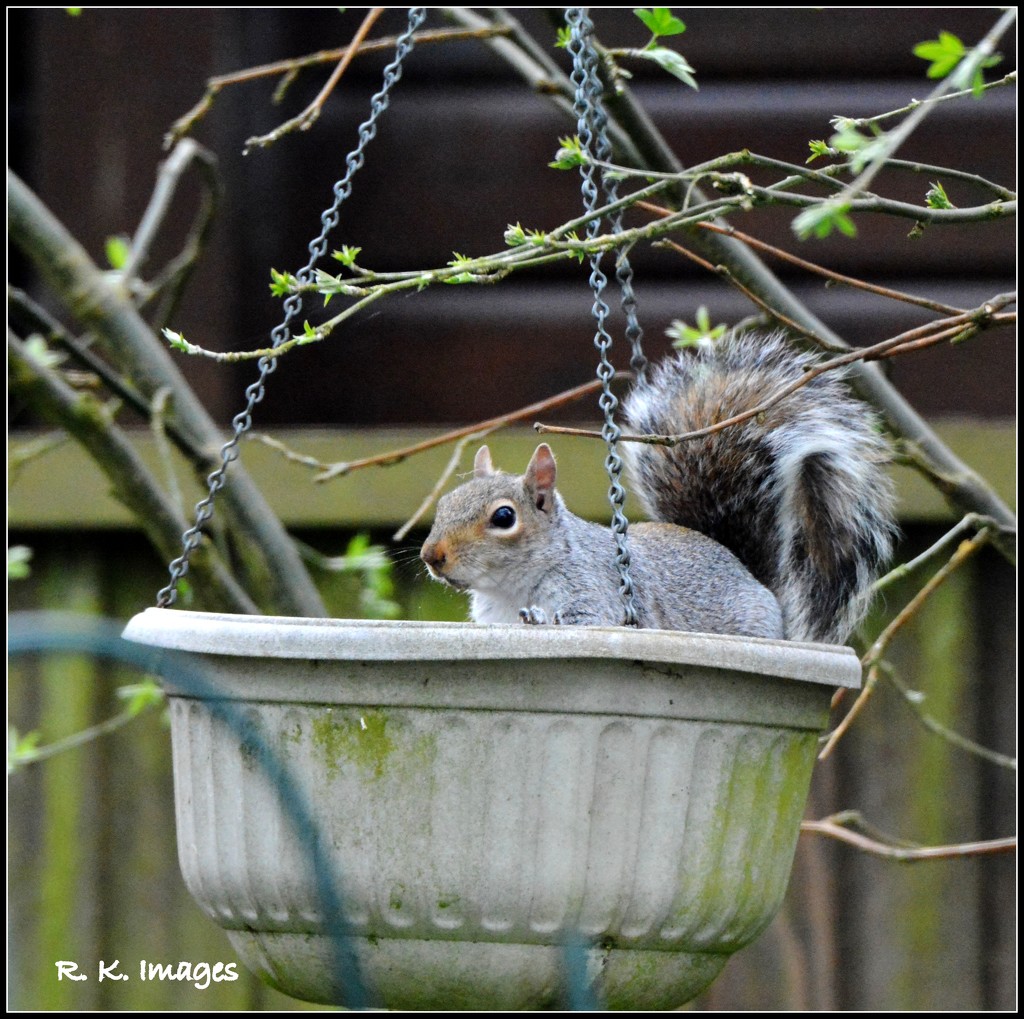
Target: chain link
242, 422
610, 187
593, 134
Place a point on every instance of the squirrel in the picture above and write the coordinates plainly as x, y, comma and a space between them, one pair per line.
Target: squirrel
774, 527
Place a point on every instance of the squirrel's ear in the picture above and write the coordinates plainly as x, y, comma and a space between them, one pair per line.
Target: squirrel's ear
540, 477
482, 465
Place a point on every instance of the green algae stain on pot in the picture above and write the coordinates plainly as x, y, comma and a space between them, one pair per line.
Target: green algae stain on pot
360, 739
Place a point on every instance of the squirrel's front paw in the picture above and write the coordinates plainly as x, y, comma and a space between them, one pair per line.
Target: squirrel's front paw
536, 616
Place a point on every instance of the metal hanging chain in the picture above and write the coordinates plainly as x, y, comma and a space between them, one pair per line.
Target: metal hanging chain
242, 422
592, 127
610, 187
623, 269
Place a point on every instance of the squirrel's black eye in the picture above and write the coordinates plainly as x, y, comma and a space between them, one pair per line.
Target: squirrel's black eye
504, 517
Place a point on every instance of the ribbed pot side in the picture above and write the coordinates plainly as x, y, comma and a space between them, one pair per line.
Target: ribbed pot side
481, 810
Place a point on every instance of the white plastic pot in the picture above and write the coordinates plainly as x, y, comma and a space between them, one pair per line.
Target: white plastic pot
487, 792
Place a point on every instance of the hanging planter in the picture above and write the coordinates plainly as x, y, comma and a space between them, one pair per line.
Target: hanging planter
488, 792
488, 798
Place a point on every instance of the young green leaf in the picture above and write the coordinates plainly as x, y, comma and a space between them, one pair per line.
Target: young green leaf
18, 557
862, 147
572, 235
515, 235
818, 150
660, 21
141, 696
820, 220
281, 283
936, 197
683, 335
675, 63
569, 154
943, 54
375, 596
347, 255
325, 281
844, 224
849, 139
978, 84
562, 37
21, 750
178, 342
39, 351
117, 250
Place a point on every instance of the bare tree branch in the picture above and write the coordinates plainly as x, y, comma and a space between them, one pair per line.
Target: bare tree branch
84, 418
836, 827
872, 660
308, 117
635, 134
270, 562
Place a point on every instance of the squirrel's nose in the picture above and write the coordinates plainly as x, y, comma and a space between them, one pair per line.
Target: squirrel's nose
434, 554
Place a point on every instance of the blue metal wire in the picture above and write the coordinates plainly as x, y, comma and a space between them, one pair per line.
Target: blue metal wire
66, 633
33, 632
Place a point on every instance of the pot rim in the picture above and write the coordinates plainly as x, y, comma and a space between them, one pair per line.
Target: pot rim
217, 633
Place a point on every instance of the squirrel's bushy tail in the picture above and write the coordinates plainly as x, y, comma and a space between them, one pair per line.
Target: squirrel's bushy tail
798, 493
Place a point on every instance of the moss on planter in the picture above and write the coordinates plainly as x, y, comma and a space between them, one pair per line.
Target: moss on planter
361, 739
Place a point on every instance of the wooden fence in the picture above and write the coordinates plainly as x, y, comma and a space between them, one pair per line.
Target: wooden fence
93, 872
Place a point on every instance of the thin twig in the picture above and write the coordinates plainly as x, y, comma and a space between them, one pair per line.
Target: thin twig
168, 177
1004, 530
21, 453
168, 285
927, 335
914, 700
836, 277
997, 209
714, 167
874, 655
1009, 79
835, 829
290, 68
76, 739
951, 174
435, 492
892, 140
309, 116
158, 425
725, 272
971, 522
330, 471
133, 483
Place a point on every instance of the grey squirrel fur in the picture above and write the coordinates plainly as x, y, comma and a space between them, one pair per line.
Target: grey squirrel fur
776, 527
